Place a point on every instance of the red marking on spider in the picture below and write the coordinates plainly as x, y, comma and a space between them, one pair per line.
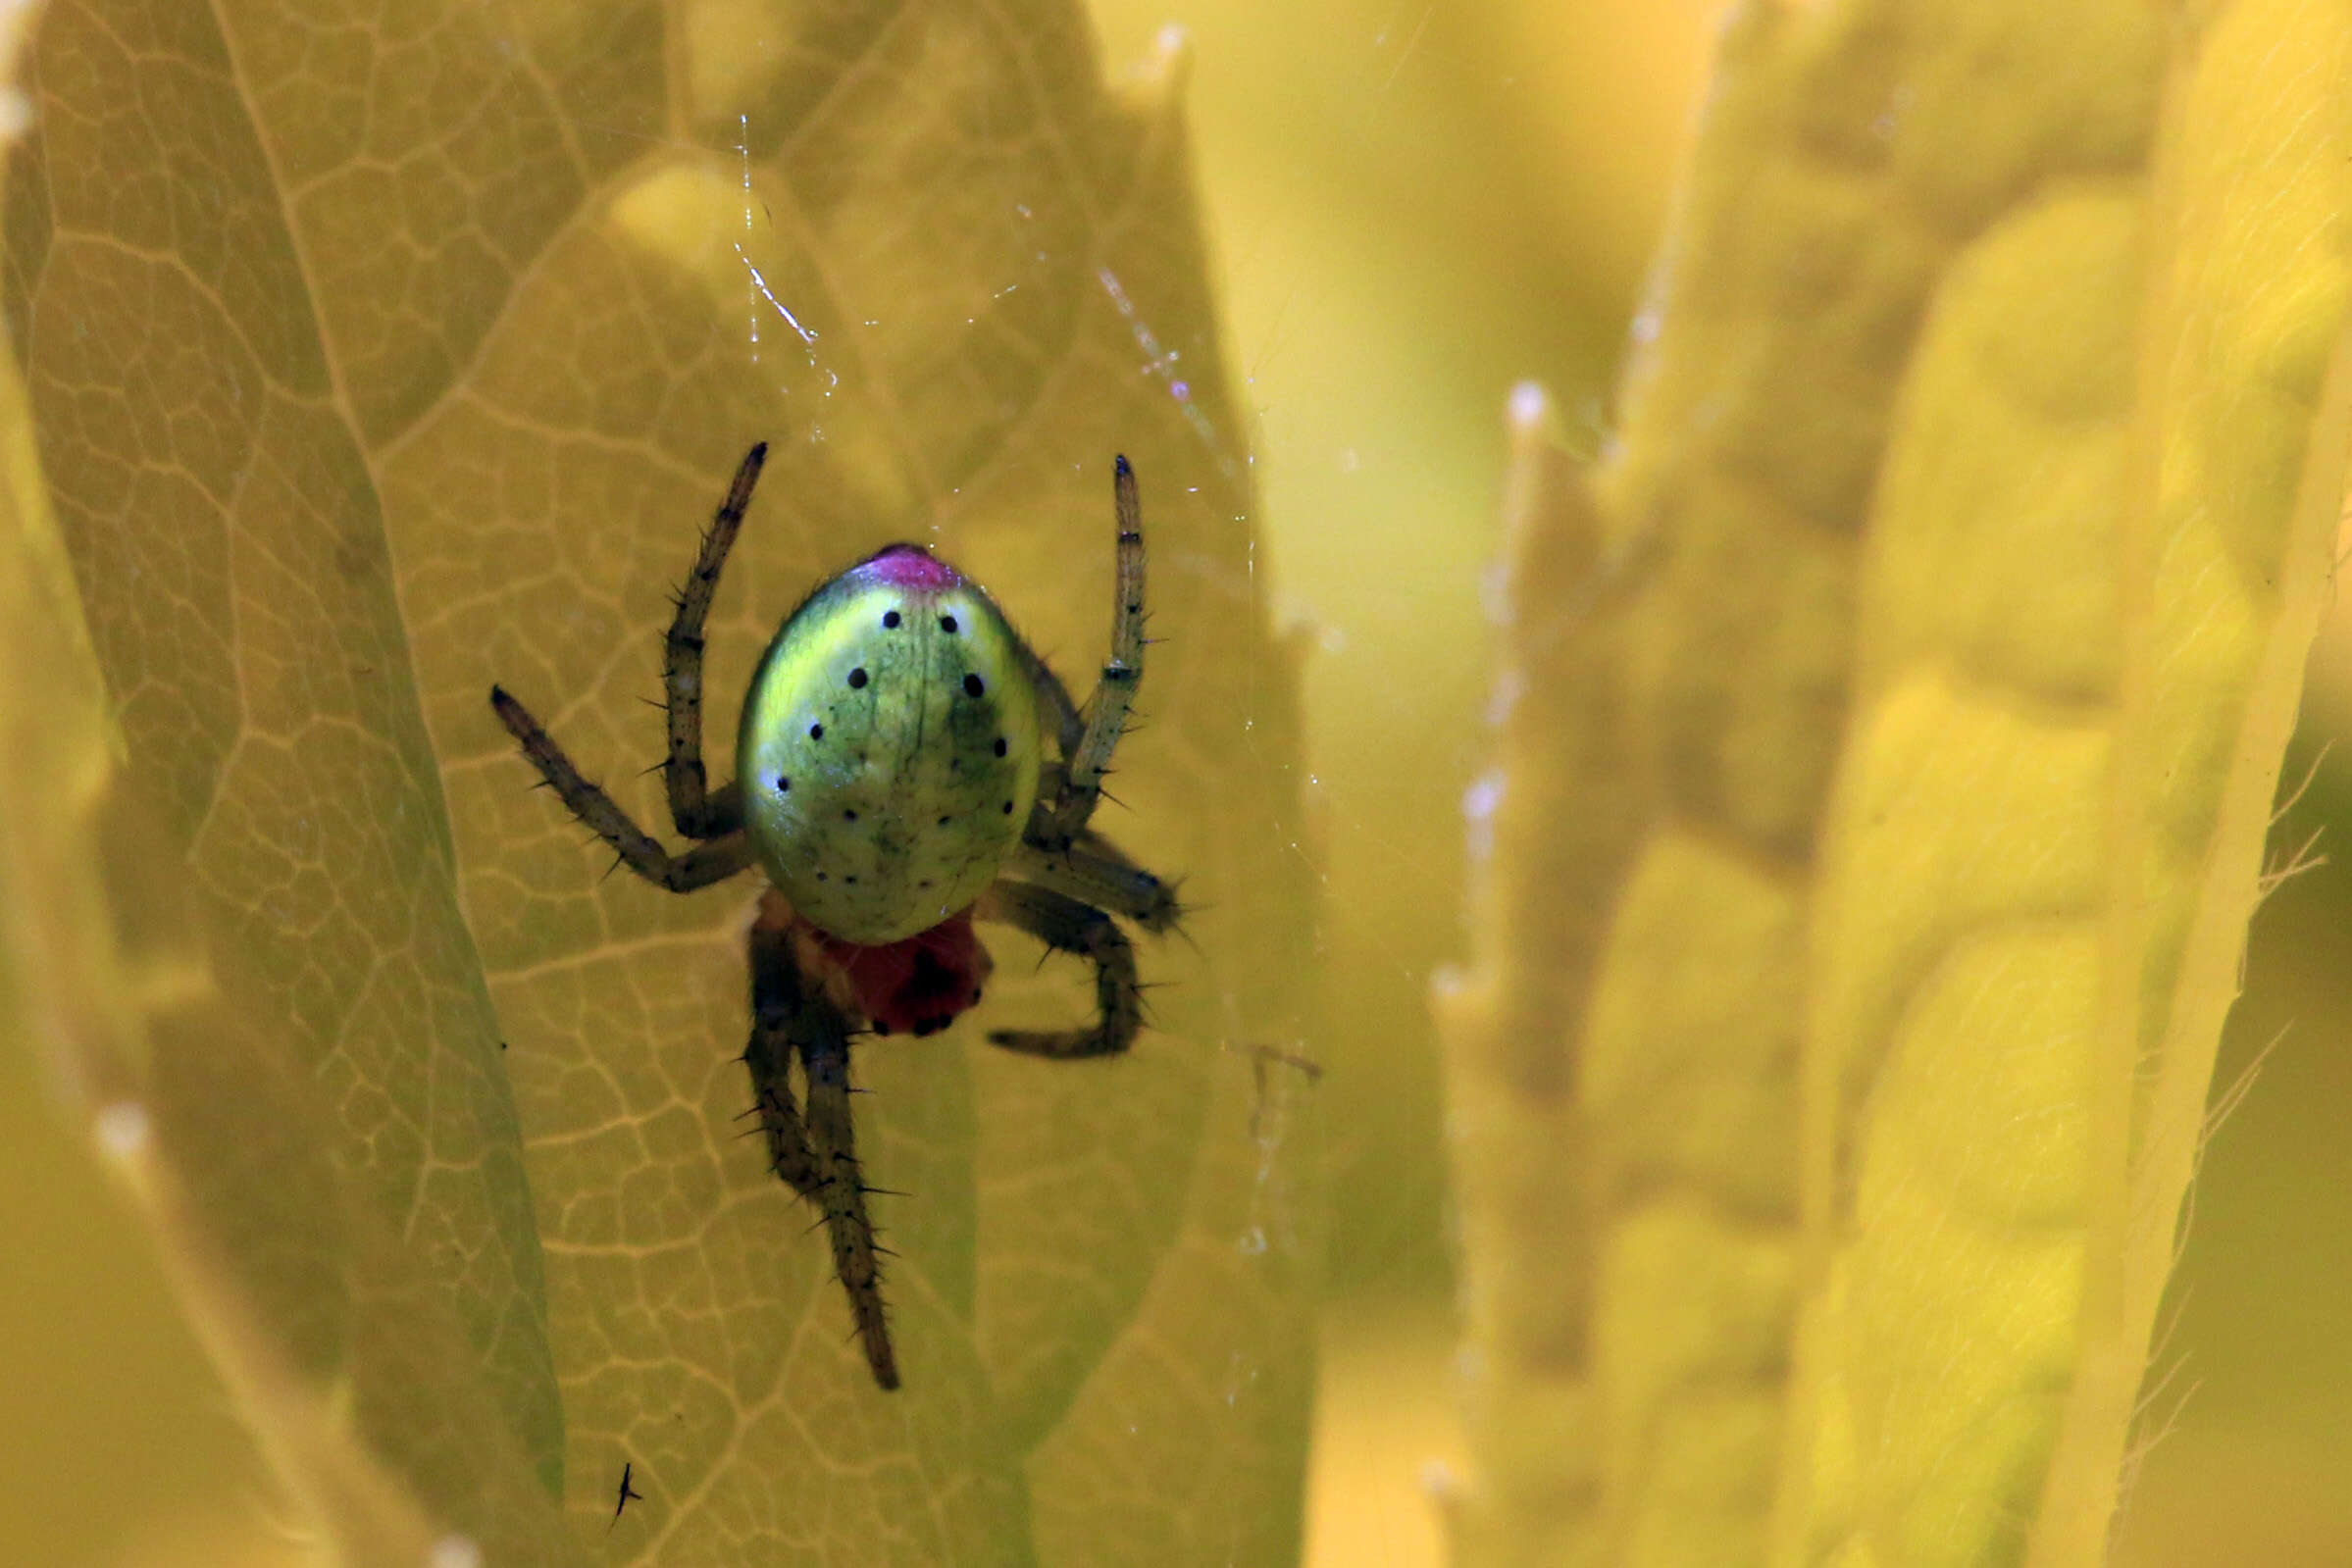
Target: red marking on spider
910, 566
917, 985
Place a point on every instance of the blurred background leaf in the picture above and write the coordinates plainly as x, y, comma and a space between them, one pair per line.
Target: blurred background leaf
1887, 753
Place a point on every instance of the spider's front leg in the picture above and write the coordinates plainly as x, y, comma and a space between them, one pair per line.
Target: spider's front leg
716, 817
698, 812
1105, 717
639, 851
1068, 926
819, 1158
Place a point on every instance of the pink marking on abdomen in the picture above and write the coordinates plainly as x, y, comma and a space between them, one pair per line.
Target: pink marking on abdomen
910, 566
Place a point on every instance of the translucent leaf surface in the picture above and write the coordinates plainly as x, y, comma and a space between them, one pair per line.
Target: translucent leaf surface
376, 357
1892, 726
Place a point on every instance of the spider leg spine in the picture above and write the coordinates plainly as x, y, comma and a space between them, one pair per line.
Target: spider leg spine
1072, 926
1094, 871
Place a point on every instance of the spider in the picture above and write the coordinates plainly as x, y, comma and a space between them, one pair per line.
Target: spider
893, 785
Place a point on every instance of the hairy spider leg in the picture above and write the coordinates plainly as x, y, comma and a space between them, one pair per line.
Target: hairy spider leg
1059, 710
698, 813
1092, 869
825, 1059
1054, 700
643, 853
817, 1157
777, 1001
1105, 711
1067, 926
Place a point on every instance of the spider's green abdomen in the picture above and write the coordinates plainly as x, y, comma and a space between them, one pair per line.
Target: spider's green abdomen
890, 748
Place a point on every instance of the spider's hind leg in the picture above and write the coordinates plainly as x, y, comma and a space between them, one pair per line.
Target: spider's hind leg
1069, 925
842, 1190
776, 1002
818, 1156
699, 811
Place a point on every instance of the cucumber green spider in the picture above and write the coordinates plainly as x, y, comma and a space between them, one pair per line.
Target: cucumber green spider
892, 784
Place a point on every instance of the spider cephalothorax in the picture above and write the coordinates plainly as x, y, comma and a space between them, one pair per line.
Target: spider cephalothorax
893, 785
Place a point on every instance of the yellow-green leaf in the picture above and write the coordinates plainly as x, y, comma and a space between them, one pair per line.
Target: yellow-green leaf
372, 358
1895, 721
